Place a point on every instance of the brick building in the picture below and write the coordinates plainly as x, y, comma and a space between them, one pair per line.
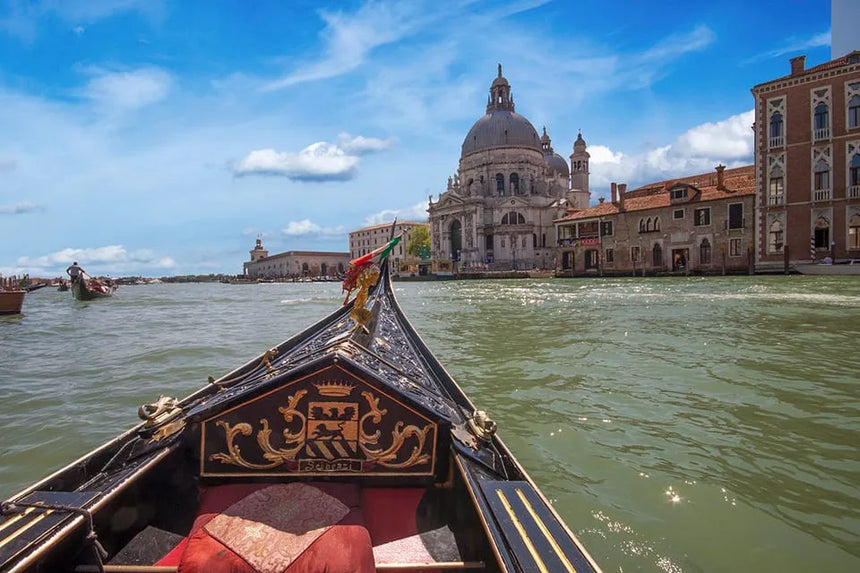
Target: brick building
697, 224
807, 158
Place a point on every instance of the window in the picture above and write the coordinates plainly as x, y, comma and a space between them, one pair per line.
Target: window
776, 191
609, 255
678, 214
641, 225
734, 247
775, 238
821, 181
606, 228
820, 121
705, 252
515, 184
513, 218
500, 184
854, 111
634, 254
854, 176
502, 243
702, 217
854, 233
488, 242
523, 242
776, 130
736, 216
656, 223
678, 193
534, 240
657, 256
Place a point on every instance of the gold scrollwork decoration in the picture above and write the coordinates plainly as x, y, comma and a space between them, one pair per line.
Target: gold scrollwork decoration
234, 453
399, 435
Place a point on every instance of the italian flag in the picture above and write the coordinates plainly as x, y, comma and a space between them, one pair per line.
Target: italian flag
357, 265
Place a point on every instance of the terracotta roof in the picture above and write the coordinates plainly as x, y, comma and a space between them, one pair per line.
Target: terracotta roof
737, 182
835, 63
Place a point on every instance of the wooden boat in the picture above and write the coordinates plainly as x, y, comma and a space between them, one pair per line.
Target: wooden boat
848, 268
11, 301
63, 286
348, 447
88, 288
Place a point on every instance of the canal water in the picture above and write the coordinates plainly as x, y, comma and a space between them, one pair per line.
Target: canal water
677, 424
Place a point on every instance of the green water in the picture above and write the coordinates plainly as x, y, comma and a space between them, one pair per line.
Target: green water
689, 424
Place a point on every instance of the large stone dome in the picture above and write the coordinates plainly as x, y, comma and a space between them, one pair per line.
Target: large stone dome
501, 126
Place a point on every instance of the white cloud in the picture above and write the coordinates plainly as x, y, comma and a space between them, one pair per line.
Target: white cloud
319, 161
111, 259
127, 90
417, 212
698, 150
793, 45
78, 30
307, 228
360, 145
19, 208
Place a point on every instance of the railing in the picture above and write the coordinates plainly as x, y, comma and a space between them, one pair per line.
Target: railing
854, 192
821, 195
823, 133
776, 141
776, 199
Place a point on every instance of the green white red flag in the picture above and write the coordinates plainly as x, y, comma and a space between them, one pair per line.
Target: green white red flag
357, 265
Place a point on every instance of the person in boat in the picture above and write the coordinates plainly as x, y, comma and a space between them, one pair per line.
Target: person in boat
74, 271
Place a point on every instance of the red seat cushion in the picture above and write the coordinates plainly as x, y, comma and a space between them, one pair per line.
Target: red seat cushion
343, 548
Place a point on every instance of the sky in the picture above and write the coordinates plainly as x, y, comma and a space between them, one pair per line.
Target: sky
160, 138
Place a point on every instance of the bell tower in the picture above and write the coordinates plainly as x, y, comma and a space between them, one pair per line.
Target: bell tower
579, 194
259, 252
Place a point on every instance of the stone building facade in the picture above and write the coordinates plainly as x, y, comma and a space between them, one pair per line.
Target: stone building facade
700, 224
498, 209
294, 264
367, 239
807, 157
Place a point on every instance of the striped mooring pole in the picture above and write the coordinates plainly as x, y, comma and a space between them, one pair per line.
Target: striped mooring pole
812, 248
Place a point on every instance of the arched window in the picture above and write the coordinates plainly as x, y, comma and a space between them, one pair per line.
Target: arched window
854, 176
776, 189
340, 268
776, 139
648, 226
513, 218
656, 223
821, 182
500, 184
821, 122
305, 268
641, 225
456, 239
775, 238
822, 233
705, 252
854, 112
657, 255
515, 184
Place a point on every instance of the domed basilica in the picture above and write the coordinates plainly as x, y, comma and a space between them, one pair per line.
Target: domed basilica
497, 212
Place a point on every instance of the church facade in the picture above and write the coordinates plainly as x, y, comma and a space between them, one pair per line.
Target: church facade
498, 210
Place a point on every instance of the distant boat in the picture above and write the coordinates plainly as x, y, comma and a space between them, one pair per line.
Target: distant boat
11, 301
35, 286
89, 288
845, 269
63, 286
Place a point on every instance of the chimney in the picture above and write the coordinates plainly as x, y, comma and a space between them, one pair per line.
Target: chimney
798, 64
614, 192
600, 200
622, 189
720, 176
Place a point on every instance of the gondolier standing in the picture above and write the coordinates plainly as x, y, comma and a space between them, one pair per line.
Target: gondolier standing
74, 270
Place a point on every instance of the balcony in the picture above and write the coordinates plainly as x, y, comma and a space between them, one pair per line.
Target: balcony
854, 192
821, 195
819, 134
776, 199
777, 141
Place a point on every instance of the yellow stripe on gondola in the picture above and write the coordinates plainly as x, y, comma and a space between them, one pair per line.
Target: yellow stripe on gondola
522, 531
20, 516
567, 564
25, 528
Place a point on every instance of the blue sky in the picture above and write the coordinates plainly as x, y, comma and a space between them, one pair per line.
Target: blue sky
159, 138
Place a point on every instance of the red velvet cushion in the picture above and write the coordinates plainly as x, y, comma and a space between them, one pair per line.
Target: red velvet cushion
344, 548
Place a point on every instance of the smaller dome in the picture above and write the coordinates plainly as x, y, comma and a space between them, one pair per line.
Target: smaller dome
579, 144
557, 164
